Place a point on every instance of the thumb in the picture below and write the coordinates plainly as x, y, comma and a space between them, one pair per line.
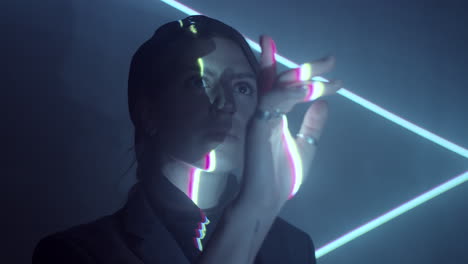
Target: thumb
312, 126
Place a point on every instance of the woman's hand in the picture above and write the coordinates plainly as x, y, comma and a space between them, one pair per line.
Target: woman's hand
276, 163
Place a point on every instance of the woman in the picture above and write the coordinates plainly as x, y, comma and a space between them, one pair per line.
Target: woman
215, 160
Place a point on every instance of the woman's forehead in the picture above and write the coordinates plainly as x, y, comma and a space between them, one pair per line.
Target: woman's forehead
215, 53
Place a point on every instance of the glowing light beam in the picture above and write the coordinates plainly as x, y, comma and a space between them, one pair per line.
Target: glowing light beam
438, 190
181, 7
349, 95
404, 123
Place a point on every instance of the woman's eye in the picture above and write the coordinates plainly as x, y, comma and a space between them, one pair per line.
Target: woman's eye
198, 82
244, 88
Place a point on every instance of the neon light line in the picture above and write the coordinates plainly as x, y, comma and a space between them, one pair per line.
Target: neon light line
404, 123
438, 190
181, 7
349, 95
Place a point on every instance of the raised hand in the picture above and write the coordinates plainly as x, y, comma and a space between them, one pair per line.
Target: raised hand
277, 163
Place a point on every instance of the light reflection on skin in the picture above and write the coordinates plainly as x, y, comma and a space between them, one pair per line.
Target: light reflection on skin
305, 72
294, 158
315, 90
195, 173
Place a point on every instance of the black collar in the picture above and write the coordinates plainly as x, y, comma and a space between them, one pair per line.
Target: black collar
155, 243
166, 221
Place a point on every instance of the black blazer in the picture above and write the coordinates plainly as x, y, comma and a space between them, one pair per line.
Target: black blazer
135, 234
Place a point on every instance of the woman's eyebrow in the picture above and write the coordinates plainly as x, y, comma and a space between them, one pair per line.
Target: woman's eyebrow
245, 75
210, 72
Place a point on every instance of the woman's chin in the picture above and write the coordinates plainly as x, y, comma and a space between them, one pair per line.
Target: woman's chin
224, 166
220, 139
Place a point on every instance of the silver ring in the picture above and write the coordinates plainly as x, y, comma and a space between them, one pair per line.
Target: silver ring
308, 139
268, 115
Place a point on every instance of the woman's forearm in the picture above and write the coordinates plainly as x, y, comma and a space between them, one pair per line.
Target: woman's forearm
238, 236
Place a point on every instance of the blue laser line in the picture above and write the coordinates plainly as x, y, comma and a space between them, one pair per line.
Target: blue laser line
404, 123
181, 7
349, 95
438, 190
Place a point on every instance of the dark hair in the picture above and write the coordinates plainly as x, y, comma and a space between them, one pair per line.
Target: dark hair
148, 69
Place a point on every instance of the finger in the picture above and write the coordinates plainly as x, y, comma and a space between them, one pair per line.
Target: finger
319, 89
311, 90
267, 64
312, 126
314, 119
285, 98
308, 70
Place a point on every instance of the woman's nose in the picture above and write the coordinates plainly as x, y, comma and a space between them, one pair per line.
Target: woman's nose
224, 101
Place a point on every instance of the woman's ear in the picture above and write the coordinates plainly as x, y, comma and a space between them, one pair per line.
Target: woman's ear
151, 130
149, 119
151, 126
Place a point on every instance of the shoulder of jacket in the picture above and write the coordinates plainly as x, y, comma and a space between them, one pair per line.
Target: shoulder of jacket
83, 241
293, 234
296, 245
58, 248
287, 227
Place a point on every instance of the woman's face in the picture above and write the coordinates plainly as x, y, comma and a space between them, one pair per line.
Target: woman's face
212, 96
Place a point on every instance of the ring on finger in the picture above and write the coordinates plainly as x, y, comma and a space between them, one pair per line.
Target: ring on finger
308, 139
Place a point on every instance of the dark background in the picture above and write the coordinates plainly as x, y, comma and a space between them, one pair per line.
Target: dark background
66, 134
